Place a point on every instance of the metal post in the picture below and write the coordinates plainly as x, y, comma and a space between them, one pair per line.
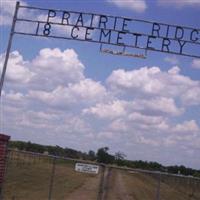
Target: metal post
8, 47
192, 182
158, 188
100, 193
52, 179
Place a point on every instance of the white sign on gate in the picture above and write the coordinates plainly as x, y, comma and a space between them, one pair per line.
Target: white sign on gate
87, 168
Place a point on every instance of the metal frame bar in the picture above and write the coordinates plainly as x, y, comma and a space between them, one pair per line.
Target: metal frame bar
107, 29
15, 19
107, 15
9, 47
110, 29
92, 41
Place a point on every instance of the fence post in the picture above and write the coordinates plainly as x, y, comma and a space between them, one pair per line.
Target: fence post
52, 179
158, 187
3, 152
100, 193
192, 187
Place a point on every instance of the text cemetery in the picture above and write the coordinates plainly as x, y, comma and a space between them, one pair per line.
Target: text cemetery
118, 31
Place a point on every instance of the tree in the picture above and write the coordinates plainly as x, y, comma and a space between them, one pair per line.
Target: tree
28, 146
92, 155
119, 158
120, 155
104, 157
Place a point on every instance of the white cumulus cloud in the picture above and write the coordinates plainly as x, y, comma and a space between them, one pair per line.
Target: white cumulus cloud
151, 81
85, 91
179, 3
55, 67
187, 126
135, 5
110, 111
18, 70
143, 107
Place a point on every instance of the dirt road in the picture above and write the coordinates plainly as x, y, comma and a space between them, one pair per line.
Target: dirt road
88, 191
116, 187
123, 185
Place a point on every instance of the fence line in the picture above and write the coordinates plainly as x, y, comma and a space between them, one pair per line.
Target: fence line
37, 161
102, 164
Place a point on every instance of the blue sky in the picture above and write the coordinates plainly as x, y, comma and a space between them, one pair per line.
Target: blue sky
67, 93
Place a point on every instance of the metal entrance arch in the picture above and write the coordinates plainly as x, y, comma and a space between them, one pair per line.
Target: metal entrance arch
109, 30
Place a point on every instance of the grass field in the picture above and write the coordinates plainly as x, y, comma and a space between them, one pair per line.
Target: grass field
28, 178
141, 186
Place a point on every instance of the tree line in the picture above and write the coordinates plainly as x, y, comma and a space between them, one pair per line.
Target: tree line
102, 156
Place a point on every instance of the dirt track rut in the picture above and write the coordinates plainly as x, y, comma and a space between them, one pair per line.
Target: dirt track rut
117, 188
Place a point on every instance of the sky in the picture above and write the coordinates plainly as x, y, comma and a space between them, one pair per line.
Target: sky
68, 93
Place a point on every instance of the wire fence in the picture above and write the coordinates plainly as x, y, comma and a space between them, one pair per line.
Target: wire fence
31, 176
